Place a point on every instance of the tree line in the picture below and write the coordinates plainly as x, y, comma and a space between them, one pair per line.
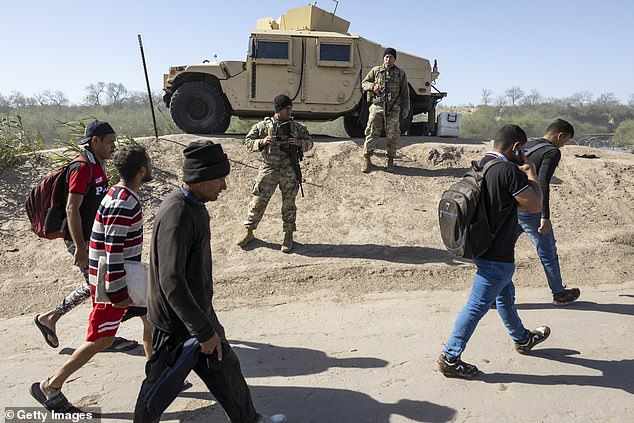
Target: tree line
96, 94
603, 118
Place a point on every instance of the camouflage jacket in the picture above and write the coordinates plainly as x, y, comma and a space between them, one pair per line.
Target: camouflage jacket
276, 155
397, 85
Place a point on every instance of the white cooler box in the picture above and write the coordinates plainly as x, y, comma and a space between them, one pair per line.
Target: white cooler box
448, 124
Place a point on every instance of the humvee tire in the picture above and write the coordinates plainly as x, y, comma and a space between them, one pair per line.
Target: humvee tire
199, 108
353, 127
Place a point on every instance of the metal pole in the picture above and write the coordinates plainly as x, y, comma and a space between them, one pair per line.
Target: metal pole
149, 91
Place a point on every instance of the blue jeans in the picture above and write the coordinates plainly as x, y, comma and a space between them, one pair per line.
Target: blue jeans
493, 281
546, 249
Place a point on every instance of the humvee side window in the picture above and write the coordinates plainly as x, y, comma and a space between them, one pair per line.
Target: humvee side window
334, 52
272, 50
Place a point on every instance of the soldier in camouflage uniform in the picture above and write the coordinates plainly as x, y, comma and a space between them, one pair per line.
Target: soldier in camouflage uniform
385, 83
272, 138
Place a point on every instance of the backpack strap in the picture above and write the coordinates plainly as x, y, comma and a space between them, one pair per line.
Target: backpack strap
488, 165
82, 159
536, 147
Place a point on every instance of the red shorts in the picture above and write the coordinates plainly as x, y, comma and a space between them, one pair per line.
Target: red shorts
104, 319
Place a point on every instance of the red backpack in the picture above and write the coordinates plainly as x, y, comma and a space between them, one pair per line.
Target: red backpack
46, 203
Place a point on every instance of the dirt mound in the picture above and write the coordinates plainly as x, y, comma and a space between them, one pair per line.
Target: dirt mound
356, 234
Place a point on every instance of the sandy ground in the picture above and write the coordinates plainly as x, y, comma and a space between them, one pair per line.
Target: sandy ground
347, 328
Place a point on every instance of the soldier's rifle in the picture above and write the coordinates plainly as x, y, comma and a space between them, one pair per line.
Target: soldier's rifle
384, 94
281, 132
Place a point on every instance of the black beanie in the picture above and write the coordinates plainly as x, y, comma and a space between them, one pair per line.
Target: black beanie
391, 51
281, 101
204, 160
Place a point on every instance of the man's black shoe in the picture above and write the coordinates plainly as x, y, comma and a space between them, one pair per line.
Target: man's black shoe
537, 336
566, 297
458, 368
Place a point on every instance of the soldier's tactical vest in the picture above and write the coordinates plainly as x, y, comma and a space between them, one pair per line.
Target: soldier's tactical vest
393, 78
278, 154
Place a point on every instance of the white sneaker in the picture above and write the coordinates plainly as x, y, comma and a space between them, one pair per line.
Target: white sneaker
277, 418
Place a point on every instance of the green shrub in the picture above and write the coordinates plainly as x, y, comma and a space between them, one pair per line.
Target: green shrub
15, 140
624, 135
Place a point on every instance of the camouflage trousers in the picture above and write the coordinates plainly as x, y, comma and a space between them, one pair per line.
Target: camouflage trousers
81, 293
375, 127
268, 179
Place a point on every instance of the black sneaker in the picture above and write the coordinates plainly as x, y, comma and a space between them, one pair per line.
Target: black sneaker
458, 368
566, 297
537, 336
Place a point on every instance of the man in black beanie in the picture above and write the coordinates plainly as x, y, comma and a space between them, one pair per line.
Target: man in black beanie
181, 289
387, 90
274, 138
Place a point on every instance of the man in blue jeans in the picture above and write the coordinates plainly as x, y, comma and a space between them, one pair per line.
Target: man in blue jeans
508, 186
545, 154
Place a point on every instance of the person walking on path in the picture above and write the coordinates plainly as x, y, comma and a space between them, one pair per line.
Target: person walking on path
509, 184
117, 235
180, 303
545, 154
84, 196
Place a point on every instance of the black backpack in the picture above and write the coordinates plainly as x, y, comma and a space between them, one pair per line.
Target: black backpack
464, 226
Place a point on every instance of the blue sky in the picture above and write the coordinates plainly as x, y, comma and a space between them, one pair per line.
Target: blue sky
558, 47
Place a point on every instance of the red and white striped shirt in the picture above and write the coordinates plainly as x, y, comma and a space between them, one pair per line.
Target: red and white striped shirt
117, 234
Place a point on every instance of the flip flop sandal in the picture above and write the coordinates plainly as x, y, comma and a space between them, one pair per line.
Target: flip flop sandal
121, 344
46, 332
57, 403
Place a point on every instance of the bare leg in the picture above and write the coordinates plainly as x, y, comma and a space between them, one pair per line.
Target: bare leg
53, 384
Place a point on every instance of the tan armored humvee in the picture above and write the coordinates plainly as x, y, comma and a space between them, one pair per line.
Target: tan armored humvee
307, 55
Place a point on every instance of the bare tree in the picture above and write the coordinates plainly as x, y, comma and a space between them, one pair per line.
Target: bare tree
141, 98
17, 99
606, 100
94, 93
41, 98
500, 101
4, 102
514, 94
58, 98
116, 93
486, 96
532, 99
581, 98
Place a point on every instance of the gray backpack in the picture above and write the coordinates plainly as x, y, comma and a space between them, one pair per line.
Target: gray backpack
464, 226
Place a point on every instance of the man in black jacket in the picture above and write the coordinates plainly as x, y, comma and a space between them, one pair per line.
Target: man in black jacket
545, 154
181, 289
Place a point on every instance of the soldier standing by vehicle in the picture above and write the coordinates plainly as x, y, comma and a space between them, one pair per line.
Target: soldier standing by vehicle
388, 91
274, 138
